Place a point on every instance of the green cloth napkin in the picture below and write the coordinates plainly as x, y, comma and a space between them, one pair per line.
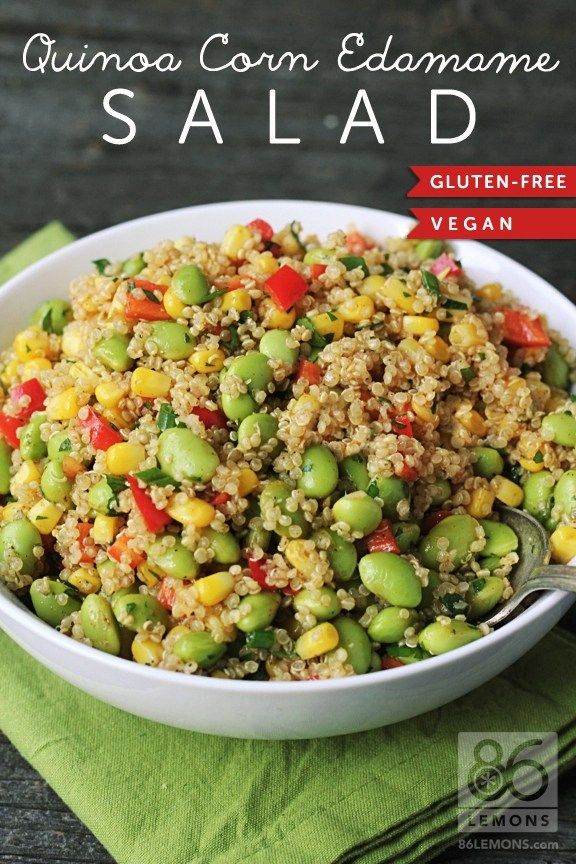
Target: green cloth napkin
153, 794
48, 239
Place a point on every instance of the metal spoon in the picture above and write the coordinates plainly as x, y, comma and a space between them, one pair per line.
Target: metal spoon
532, 573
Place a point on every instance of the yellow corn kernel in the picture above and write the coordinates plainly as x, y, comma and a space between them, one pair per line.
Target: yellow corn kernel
471, 420
481, 503
85, 581
150, 384
176, 632
307, 404
109, 394
123, 458
11, 511
30, 343
114, 416
394, 292
63, 406
319, 640
467, 335
491, 291
417, 325
105, 529
329, 324
437, 348
411, 349
506, 491
72, 344
27, 473
563, 544
147, 575
274, 318
424, 413
234, 239
531, 465
298, 554
207, 360
148, 652
372, 286
81, 372
173, 305
357, 309
194, 511
214, 588
32, 367
45, 516
239, 300
247, 481
266, 264
10, 372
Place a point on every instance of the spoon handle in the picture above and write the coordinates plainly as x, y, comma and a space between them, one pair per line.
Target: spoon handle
552, 577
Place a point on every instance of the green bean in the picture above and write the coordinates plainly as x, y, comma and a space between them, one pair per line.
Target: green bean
257, 611
173, 340
461, 533
59, 446
185, 456
133, 266
19, 538
427, 249
113, 352
392, 490
437, 638
440, 491
100, 625
199, 647
224, 546
133, 611
319, 472
5, 466
342, 555
562, 428
390, 623
392, 578
359, 511
32, 447
175, 560
274, 345
52, 600
258, 429
322, 603
53, 315
487, 462
500, 538
355, 641
101, 498
276, 493
55, 485
483, 595
555, 370
538, 494
190, 285
407, 535
565, 494
354, 473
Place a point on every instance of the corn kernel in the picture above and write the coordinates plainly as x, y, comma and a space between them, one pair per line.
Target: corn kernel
357, 309
234, 239
148, 652
208, 360
105, 529
72, 344
299, 557
63, 406
45, 516
437, 348
11, 511
81, 372
266, 264
373, 286
109, 393
319, 640
150, 384
417, 325
173, 305
10, 372
563, 544
491, 291
194, 511
72, 466
424, 413
411, 349
467, 335
147, 575
114, 416
307, 404
274, 318
472, 421
27, 473
481, 503
85, 581
176, 632
123, 458
239, 300
247, 481
394, 292
214, 588
31, 343
32, 367
531, 465
329, 324
506, 491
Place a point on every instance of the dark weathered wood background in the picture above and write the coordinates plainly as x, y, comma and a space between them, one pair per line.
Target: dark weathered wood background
54, 164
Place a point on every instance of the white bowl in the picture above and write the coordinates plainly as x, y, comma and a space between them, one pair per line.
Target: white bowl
259, 709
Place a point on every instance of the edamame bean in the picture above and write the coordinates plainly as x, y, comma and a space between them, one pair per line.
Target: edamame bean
342, 554
238, 408
59, 446
173, 340
53, 315
319, 472
32, 447
392, 490
407, 535
257, 535
392, 578
199, 647
257, 611
54, 484
483, 595
225, 546
274, 345
354, 473
276, 493
538, 490
175, 560
134, 265
319, 255
52, 600
389, 624
100, 625
459, 530
428, 591
440, 491
437, 638
190, 285
101, 498
256, 430
133, 611
487, 462
359, 511
565, 494
491, 563
252, 368
113, 352
500, 538
555, 370
429, 249
562, 427
20, 538
322, 603
5, 466
185, 456
355, 641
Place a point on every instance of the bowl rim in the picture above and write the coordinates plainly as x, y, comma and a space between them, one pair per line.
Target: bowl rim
11, 606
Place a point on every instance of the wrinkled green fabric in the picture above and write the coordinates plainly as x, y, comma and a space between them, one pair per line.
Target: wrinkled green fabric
48, 239
156, 795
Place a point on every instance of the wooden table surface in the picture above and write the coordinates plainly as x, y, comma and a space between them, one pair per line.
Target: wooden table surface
54, 164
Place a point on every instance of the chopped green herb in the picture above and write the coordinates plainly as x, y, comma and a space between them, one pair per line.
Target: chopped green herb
101, 264
260, 639
455, 603
351, 262
46, 322
150, 295
386, 269
467, 373
477, 585
430, 282
65, 446
373, 490
538, 457
449, 303
482, 355
157, 477
246, 315
233, 343
167, 418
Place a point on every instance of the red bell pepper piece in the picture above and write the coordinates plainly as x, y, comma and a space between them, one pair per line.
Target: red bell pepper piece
166, 595
408, 473
310, 371
33, 390
154, 518
9, 427
444, 262
258, 572
402, 425
356, 243
264, 229
88, 552
211, 419
102, 434
433, 518
220, 499
120, 549
522, 331
145, 309
383, 539
391, 663
316, 270
286, 287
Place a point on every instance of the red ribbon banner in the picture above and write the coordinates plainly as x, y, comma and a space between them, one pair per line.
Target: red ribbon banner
494, 181
494, 223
